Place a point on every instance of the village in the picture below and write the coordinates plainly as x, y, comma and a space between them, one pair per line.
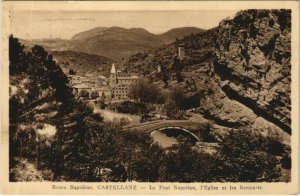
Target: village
93, 86
108, 92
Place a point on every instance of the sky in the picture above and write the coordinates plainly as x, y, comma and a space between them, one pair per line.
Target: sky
65, 24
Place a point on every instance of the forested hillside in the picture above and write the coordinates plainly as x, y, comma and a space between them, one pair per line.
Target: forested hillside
82, 62
166, 56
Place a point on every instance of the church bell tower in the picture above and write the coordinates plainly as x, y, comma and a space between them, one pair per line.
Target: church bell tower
113, 76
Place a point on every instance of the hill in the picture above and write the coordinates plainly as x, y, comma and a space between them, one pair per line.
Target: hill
116, 42
82, 62
89, 33
178, 33
147, 62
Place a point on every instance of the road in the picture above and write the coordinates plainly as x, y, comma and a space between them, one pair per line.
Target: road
193, 123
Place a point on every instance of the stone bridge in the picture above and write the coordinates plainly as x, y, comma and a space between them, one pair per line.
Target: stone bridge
196, 129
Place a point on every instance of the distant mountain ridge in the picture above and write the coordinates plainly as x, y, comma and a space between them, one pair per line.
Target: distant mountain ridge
115, 42
172, 33
118, 43
86, 34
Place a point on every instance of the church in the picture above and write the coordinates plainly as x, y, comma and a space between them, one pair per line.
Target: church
120, 85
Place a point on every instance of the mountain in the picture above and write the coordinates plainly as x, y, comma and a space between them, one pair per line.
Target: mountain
115, 42
241, 69
90, 33
118, 43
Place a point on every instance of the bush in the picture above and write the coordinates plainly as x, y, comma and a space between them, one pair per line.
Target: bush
172, 110
184, 164
94, 95
273, 143
205, 131
84, 94
286, 162
128, 107
124, 121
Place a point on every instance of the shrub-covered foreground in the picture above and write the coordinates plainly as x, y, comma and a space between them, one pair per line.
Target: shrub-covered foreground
55, 137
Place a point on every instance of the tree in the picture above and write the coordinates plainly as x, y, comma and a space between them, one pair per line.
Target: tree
175, 104
171, 109
245, 158
101, 149
102, 101
179, 76
84, 94
46, 73
139, 156
191, 101
184, 164
94, 95
130, 107
134, 92
145, 92
18, 59
40, 87
103, 97
72, 72
165, 77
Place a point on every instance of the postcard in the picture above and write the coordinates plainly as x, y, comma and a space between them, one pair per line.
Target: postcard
150, 97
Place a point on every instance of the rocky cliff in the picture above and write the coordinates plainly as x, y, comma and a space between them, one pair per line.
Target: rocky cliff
253, 60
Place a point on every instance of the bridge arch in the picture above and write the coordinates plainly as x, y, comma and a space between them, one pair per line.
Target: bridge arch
197, 139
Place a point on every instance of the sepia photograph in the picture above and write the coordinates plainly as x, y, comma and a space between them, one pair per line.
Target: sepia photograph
144, 96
